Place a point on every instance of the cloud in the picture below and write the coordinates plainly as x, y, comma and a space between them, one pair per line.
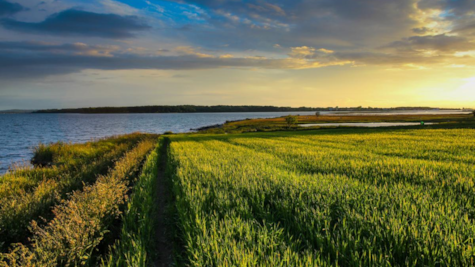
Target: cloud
456, 15
459, 7
371, 10
32, 60
390, 60
267, 7
190, 51
244, 34
226, 56
421, 30
7, 8
39, 59
466, 29
441, 42
81, 23
333, 24
301, 10
74, 48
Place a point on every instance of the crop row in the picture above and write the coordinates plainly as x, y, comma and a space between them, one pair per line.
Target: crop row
84, 223
326, 198
31, 192
135, 246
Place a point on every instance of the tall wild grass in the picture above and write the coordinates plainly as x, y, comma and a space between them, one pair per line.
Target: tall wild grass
28, 193
82, 222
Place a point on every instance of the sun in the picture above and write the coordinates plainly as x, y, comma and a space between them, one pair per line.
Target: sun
469, 87
466, 92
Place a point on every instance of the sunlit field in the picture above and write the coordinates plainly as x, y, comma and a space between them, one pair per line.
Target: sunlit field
334, 197
237, 133
326, 198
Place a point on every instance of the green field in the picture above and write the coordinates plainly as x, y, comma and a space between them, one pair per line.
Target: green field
326, 198
334, 197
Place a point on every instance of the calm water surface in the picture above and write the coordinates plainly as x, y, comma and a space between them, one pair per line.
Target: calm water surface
20, 133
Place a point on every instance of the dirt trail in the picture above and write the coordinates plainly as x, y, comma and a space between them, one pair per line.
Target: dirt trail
164, 245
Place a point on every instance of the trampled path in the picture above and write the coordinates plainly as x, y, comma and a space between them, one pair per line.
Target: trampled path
164, 243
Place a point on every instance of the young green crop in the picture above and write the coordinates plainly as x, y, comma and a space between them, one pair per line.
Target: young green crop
326, 198
136, 242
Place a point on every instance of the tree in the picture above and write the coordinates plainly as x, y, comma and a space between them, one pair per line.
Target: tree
291, 120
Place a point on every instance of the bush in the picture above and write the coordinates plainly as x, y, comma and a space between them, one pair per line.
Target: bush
42, 156
291, 120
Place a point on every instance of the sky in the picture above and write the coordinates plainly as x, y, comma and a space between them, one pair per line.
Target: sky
319, 53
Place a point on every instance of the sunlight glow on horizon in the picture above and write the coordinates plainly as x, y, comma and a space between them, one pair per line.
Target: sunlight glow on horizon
318, 53
466, 92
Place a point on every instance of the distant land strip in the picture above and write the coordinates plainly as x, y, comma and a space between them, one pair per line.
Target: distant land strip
218, 108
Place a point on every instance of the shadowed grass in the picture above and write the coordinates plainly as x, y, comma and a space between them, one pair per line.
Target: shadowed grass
28, 193
82, 222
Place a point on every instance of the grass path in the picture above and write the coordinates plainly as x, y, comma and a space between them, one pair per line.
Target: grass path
164, 243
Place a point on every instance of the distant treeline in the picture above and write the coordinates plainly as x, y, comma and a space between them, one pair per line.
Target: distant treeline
207, 109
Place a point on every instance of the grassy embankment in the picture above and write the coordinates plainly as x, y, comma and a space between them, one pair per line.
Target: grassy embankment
85, 223
28, 193
339, 197
278, 124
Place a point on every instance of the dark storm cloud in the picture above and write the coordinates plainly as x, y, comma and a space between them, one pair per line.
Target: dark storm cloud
81, 23
7, 8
